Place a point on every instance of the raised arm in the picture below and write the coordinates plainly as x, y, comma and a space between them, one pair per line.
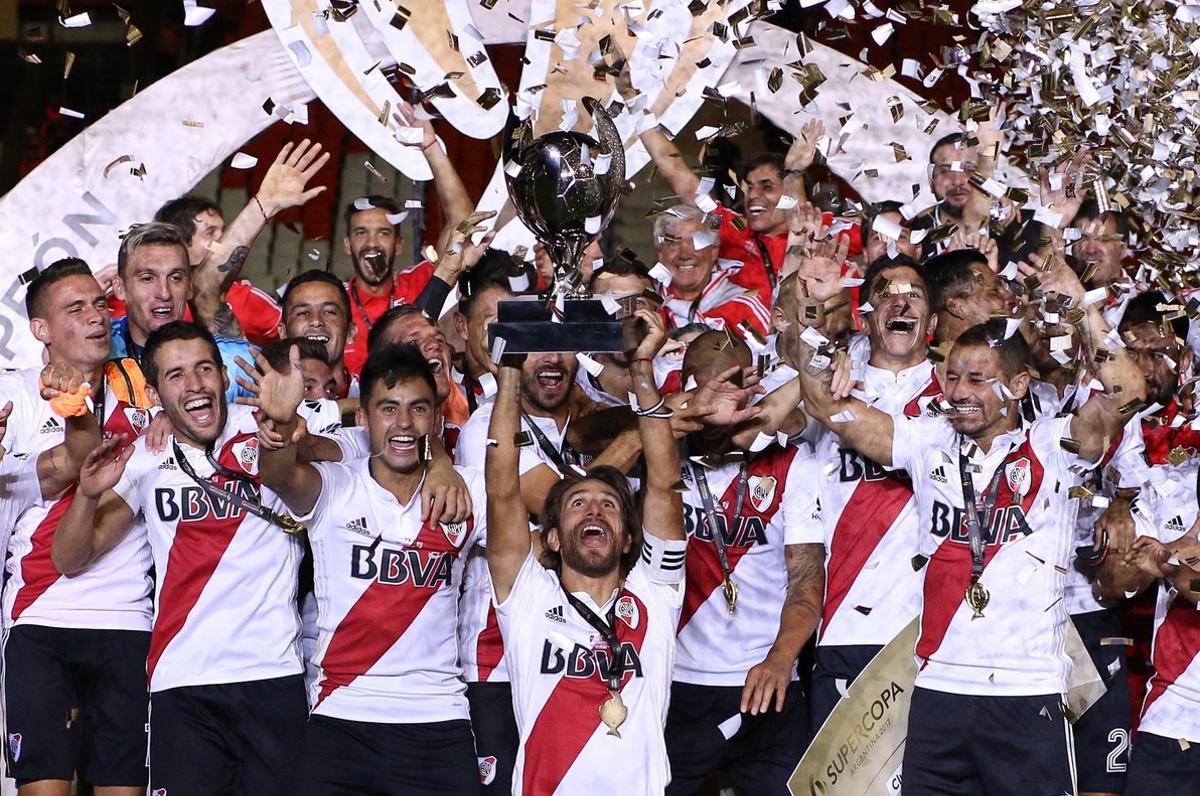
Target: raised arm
66, 388
666, 156
284, 186
827, 400
508, 539
282, 471
98, 517
662, 507
451, 193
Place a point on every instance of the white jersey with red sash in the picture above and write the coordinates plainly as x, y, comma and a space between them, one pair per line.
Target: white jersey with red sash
871, 523
225, 602
387, 587
1166, 510
558, 663
1018, 647
780, 499
722, 305
113, 592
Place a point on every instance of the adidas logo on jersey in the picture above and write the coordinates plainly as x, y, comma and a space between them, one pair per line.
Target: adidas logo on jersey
168, 464
1175, 524
358, 526
555, 614
21, 457
938, 474
51, 426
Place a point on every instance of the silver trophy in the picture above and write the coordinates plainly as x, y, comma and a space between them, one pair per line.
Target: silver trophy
565, 188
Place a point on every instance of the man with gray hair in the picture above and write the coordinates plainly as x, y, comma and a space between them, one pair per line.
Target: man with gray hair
694, 291
154, 281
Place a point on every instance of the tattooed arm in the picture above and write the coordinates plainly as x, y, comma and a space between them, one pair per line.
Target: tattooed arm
798, 620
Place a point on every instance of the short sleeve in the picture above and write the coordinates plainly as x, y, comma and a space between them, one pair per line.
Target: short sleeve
471, 450
642, 582
662, 560
533, 583
911, 436
334, 481
129, 487
353, 443
801, 502
1046, 436
19, 488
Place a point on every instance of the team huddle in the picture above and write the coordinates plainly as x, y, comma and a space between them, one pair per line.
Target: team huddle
339, 542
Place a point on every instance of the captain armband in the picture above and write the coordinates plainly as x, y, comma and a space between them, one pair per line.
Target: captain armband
664, 558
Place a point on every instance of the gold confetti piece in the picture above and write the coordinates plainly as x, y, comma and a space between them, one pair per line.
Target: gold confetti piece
115, 163
376, 173
1080, 492
191, 123
67, 64
1116, 641
132, 35
918, 562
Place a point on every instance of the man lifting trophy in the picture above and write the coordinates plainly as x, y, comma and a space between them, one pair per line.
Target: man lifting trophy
564, 187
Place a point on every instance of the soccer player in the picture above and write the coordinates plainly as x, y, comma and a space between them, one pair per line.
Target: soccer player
589, 627
226, 690
998, 526
752, 599
74, 658
317, 306
389, 708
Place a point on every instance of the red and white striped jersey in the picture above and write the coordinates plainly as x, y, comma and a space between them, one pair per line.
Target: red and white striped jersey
387, 600
557, 660
722, 305
225, 602
113, 592
870, 518
1166, 510
780, 507
1018, 647
480, 646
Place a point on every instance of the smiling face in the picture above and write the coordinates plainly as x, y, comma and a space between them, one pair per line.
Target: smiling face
473, 325
590, 534
371, 241
976, 388
415, 329
989, 296
316, 310
546, 380
155, 288
191, 388
1103, 247
76, 326
396, 419
898, 324
764, 187
691, 265
951, 183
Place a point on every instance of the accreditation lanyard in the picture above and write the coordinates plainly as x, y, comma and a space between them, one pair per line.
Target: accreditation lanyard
978, 517
563, 463
226, 497
607, 631
710, 510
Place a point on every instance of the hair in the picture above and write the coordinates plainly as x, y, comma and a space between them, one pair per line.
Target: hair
949, 276
1090, 209
1143, 308
391, 363
279, 352
672, 216
493, 271
315, 275
881, 264
39, 287
631, 514
624, 264
379, 329
714, 352
182, 213
950, 138
773, 159
171, 332
156, 233
1013, 351
373, 201
695, 327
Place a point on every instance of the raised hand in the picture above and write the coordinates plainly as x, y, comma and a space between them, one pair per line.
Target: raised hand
407, 115
979, 241
722, 401
656, 335
820, 273
285, 183
459, 253
807, 223
1054, 276
1062, 188
803, 150
278, 393
59, 378
104, 466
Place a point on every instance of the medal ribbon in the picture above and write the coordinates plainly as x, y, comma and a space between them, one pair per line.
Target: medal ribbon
561, 463
255, 507
977, 518
607, 630
710, 510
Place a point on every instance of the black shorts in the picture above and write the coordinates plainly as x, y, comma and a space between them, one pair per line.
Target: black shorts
358, 758
707, 732
496, 734
835, 663
240, 738
75, 701
1161, 766
1102, 732
1002, 746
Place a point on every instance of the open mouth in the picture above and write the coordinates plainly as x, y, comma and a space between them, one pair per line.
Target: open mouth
436, 365
900, 325
317, 337
551, 378
966, 410
593, 534
202, 411
162, 313
756, 209
402, 443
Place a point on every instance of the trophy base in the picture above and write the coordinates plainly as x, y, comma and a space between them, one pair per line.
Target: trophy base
528, 327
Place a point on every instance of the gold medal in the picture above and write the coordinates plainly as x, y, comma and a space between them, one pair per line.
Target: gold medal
613, 712
977, 597
288, 524
730, 590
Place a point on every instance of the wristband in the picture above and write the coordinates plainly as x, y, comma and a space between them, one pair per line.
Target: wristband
791, 172
261, 210
427, 145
